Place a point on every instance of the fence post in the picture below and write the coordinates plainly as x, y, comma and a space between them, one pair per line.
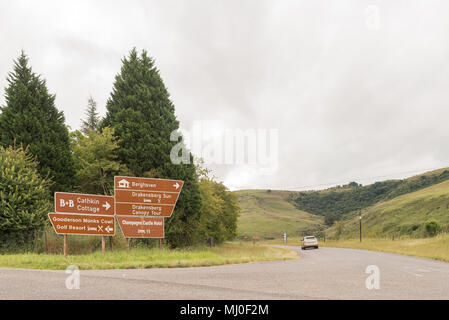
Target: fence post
45, 239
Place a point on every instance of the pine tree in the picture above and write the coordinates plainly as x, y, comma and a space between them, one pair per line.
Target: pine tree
31, 118
92, 118
143, 117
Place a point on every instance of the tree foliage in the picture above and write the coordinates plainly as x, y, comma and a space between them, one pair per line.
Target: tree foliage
432, 227
96, 158
143, 117
219, 211
31, 118
92, 120
24, 198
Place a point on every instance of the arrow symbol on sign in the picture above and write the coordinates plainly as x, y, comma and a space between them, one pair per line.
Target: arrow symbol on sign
108, 229
107, 205
176, 185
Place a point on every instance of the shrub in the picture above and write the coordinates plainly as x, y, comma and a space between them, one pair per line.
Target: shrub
24, 199
432, 227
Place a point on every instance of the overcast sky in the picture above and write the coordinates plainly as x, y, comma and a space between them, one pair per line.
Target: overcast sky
358, 90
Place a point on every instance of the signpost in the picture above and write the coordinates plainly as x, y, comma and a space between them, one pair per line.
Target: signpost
83, 214
141, 204
84, 203
146, 196
141, 227
82, 224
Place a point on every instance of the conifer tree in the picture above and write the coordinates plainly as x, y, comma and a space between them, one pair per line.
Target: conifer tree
92, 118
143, 117
30, 118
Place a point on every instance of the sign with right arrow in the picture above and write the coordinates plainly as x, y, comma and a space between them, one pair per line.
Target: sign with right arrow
83, 214
84, 203
145, 197
140, 204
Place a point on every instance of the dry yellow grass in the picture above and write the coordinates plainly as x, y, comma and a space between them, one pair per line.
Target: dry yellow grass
434, 248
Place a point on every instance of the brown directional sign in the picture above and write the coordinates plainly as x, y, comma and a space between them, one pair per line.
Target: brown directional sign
149, 210
147, 184
82, 224
141, 227
84, 203
146, 196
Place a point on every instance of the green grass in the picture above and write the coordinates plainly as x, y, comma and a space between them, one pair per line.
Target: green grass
404, 215
434, 248
269, 215
291, 241
228, 253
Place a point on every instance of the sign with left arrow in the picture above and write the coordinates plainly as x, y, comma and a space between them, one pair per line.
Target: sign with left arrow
82, 224
83, 214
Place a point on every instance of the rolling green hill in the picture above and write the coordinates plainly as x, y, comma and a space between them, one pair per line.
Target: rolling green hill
403, 215
268, 214
392, 207
339, 203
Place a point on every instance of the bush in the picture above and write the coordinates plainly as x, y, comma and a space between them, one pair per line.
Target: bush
432, 227
24, 200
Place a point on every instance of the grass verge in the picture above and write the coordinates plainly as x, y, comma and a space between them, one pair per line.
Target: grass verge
291, 241
434, 248
229, 253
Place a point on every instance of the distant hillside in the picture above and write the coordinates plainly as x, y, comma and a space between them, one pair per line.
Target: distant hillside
403, 215
268, 214
343, 202
399, 207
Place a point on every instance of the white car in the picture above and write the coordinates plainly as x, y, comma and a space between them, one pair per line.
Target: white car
309, 242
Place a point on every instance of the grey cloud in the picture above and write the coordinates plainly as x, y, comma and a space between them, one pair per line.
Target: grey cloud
349, 102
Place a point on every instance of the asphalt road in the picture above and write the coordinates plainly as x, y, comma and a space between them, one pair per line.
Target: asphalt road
326, 273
